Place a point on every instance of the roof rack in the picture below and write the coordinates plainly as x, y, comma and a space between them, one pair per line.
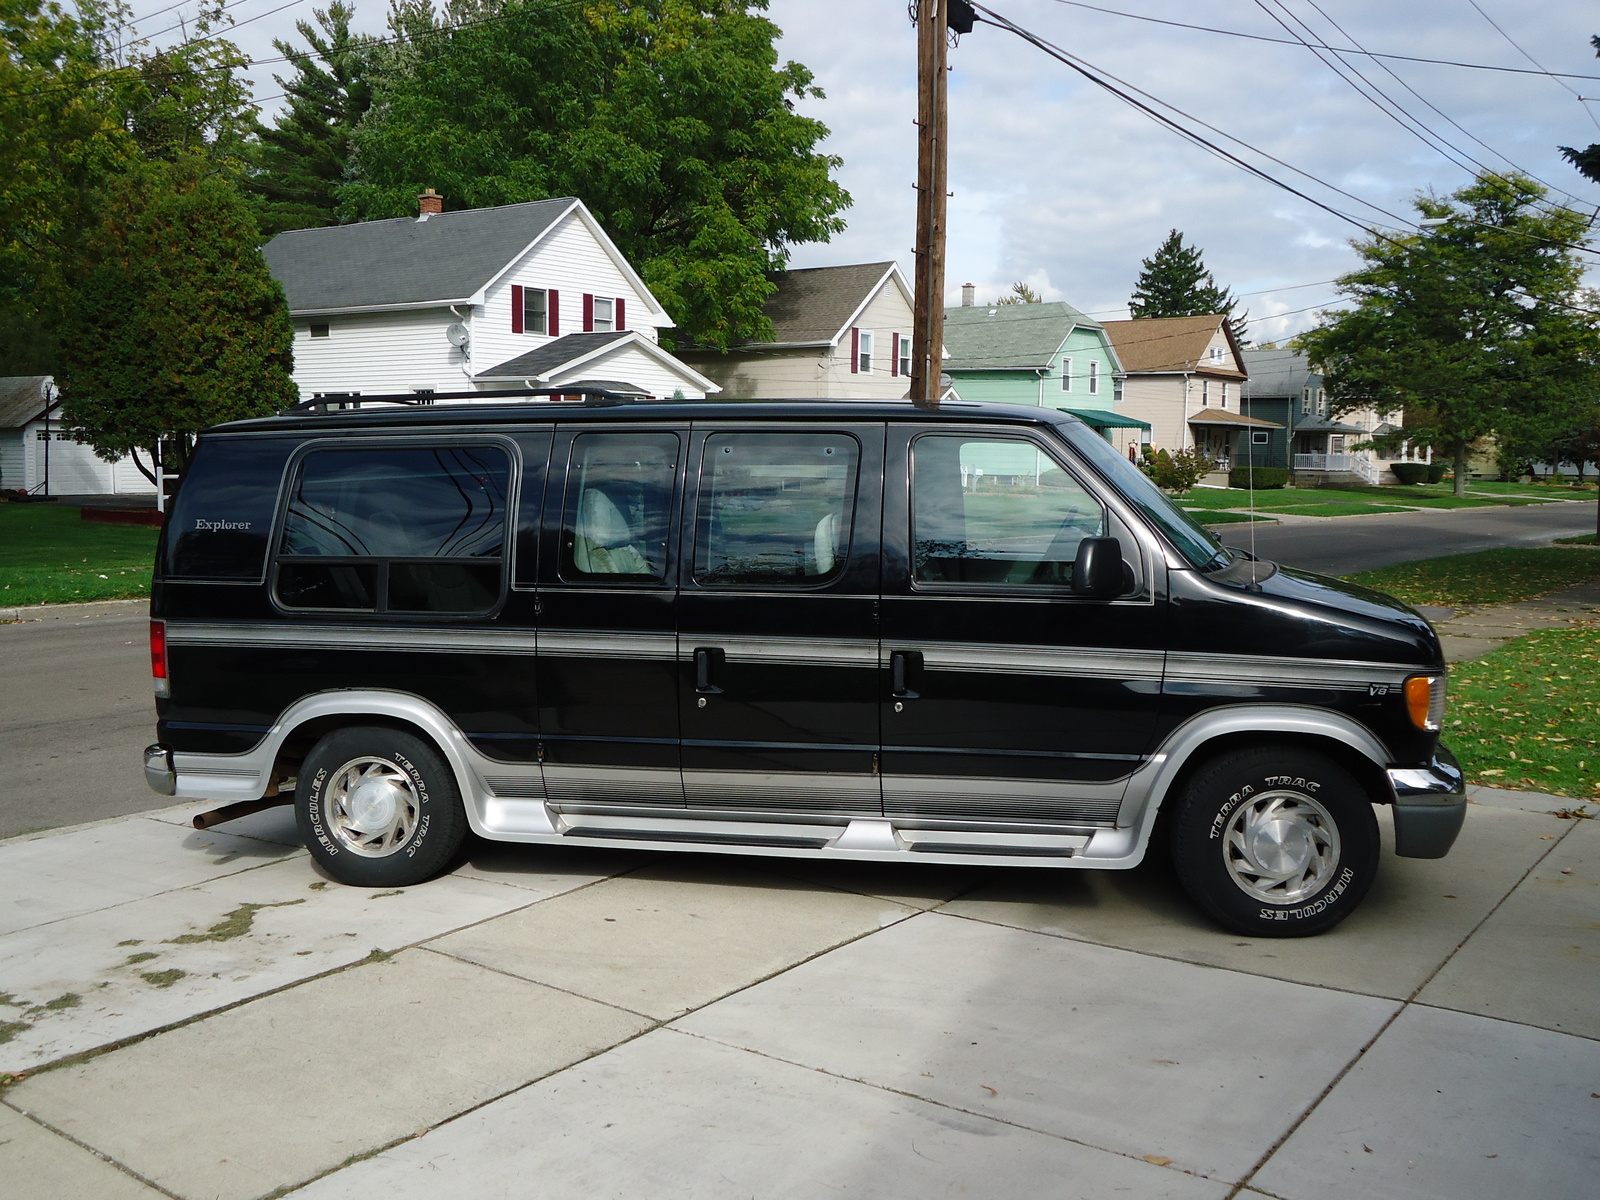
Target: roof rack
345, 402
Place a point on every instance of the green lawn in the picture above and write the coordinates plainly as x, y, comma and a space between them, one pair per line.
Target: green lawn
1487, 577
1587, 539
1228, 518
1422, 495
1528, 715
50, 555
1330, 509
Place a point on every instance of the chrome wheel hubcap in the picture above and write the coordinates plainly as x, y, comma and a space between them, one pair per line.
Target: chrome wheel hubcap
1281, 847
371, 807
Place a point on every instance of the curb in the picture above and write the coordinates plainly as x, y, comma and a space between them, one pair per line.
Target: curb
68, 612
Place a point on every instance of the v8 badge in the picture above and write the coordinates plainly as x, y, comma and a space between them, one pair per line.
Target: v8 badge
1377, 689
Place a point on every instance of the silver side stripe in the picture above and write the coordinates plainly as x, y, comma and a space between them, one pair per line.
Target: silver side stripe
1264, 670
601, 643
351, 637
1036, 660
787, 651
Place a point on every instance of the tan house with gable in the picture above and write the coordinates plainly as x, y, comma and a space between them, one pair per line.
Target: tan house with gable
1185, 377
840, 333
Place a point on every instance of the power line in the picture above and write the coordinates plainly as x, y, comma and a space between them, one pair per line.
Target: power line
1258, 37
1531, 58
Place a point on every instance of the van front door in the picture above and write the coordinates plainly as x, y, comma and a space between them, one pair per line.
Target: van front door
1006, 697
607, 656
778, 640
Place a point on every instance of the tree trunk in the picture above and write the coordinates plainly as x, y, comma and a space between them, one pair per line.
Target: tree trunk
1461, 468
148, 474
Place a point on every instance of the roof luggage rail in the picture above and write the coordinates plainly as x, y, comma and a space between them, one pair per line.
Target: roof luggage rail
344, 402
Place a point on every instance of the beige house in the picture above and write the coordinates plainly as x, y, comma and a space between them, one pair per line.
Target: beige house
840, 333
1184, 377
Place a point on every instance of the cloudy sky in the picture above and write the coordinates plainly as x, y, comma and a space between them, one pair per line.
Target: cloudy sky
1060, 184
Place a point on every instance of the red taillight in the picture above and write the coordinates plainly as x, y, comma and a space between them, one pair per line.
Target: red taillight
158, 650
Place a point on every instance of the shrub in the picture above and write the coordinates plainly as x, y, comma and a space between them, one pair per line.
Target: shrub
1409, 473
1179, 472
1437, 471
1265, 477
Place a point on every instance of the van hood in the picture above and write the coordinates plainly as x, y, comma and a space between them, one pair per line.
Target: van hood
1301, 614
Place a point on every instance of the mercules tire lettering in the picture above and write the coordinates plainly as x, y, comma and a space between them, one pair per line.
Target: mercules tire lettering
1316, 906
314, 812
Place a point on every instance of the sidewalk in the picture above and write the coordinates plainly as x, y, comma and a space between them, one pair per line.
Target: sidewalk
1469, 633
201, 1015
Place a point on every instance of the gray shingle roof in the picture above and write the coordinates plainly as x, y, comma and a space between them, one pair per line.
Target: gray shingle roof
540, 362
21, 399
1021, 336
1276, 372
812, 304
405, 261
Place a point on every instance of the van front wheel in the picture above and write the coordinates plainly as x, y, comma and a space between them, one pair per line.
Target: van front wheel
1275, 842
379, 807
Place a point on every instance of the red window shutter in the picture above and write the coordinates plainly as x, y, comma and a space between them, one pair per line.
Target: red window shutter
516, 308
894, 358
588, 313
552, 302
621, 311
855, 351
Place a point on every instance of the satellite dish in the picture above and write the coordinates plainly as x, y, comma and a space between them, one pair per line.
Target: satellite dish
457, 334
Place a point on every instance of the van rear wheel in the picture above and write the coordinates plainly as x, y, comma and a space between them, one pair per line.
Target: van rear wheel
1275, 842
379, 807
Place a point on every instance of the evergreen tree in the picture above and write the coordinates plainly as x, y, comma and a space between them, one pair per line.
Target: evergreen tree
1588, 160
1174, 282
673, 120
299, 163
177, 324
1474, 327
1021, 293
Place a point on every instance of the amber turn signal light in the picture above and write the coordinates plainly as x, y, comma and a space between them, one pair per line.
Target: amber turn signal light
1425, 701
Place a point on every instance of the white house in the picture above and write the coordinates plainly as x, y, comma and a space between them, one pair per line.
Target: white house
840, 333
39, 454
531, 295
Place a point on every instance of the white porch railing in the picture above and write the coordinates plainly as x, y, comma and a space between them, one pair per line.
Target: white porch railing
1359, 464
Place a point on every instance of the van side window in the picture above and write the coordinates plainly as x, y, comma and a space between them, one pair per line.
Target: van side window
995, 512
396, 529
221, 523
619, 507
775, 509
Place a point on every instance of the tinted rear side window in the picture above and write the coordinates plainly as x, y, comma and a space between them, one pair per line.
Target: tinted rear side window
222, 518
396, 529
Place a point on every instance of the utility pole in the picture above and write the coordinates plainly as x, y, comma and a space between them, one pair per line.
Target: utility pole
927, 320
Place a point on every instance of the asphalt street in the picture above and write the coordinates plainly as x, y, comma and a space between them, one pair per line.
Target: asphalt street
75, 713
76, 708
1344, 545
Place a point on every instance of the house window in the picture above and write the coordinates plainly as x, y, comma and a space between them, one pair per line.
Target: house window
319, 331
1066, 374
864, 352
1305, 400
535, 310
1322, 402
1216, 354
1116, 391
1338, 443
905, 355
1094, 378
605, 320
1205, 392
1224, 393
1260, 437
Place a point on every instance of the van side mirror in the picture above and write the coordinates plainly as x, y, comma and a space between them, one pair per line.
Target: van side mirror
1097, 572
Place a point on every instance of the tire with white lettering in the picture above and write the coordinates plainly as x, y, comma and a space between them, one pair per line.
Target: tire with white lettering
379, 807
1275, 842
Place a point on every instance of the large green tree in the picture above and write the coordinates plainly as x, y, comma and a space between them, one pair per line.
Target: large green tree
1475, 326
673, 120
299, 163
177, 324
1174, 282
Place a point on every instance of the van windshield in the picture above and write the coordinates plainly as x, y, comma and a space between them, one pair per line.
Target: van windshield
1193, 540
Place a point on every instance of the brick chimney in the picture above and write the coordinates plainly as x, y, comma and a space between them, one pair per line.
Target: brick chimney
430, 202
967, 295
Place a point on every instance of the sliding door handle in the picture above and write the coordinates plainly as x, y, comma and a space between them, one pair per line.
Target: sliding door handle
905, 671
707, 662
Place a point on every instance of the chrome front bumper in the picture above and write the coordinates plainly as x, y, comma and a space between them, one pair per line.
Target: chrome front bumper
1430, 804
159, 771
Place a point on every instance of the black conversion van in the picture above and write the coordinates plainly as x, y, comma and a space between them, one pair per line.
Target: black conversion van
833, 629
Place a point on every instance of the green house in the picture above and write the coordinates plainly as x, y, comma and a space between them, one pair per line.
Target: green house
1045, 355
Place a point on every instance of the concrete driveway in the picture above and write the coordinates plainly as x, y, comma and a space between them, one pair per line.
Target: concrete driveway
201, 1015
